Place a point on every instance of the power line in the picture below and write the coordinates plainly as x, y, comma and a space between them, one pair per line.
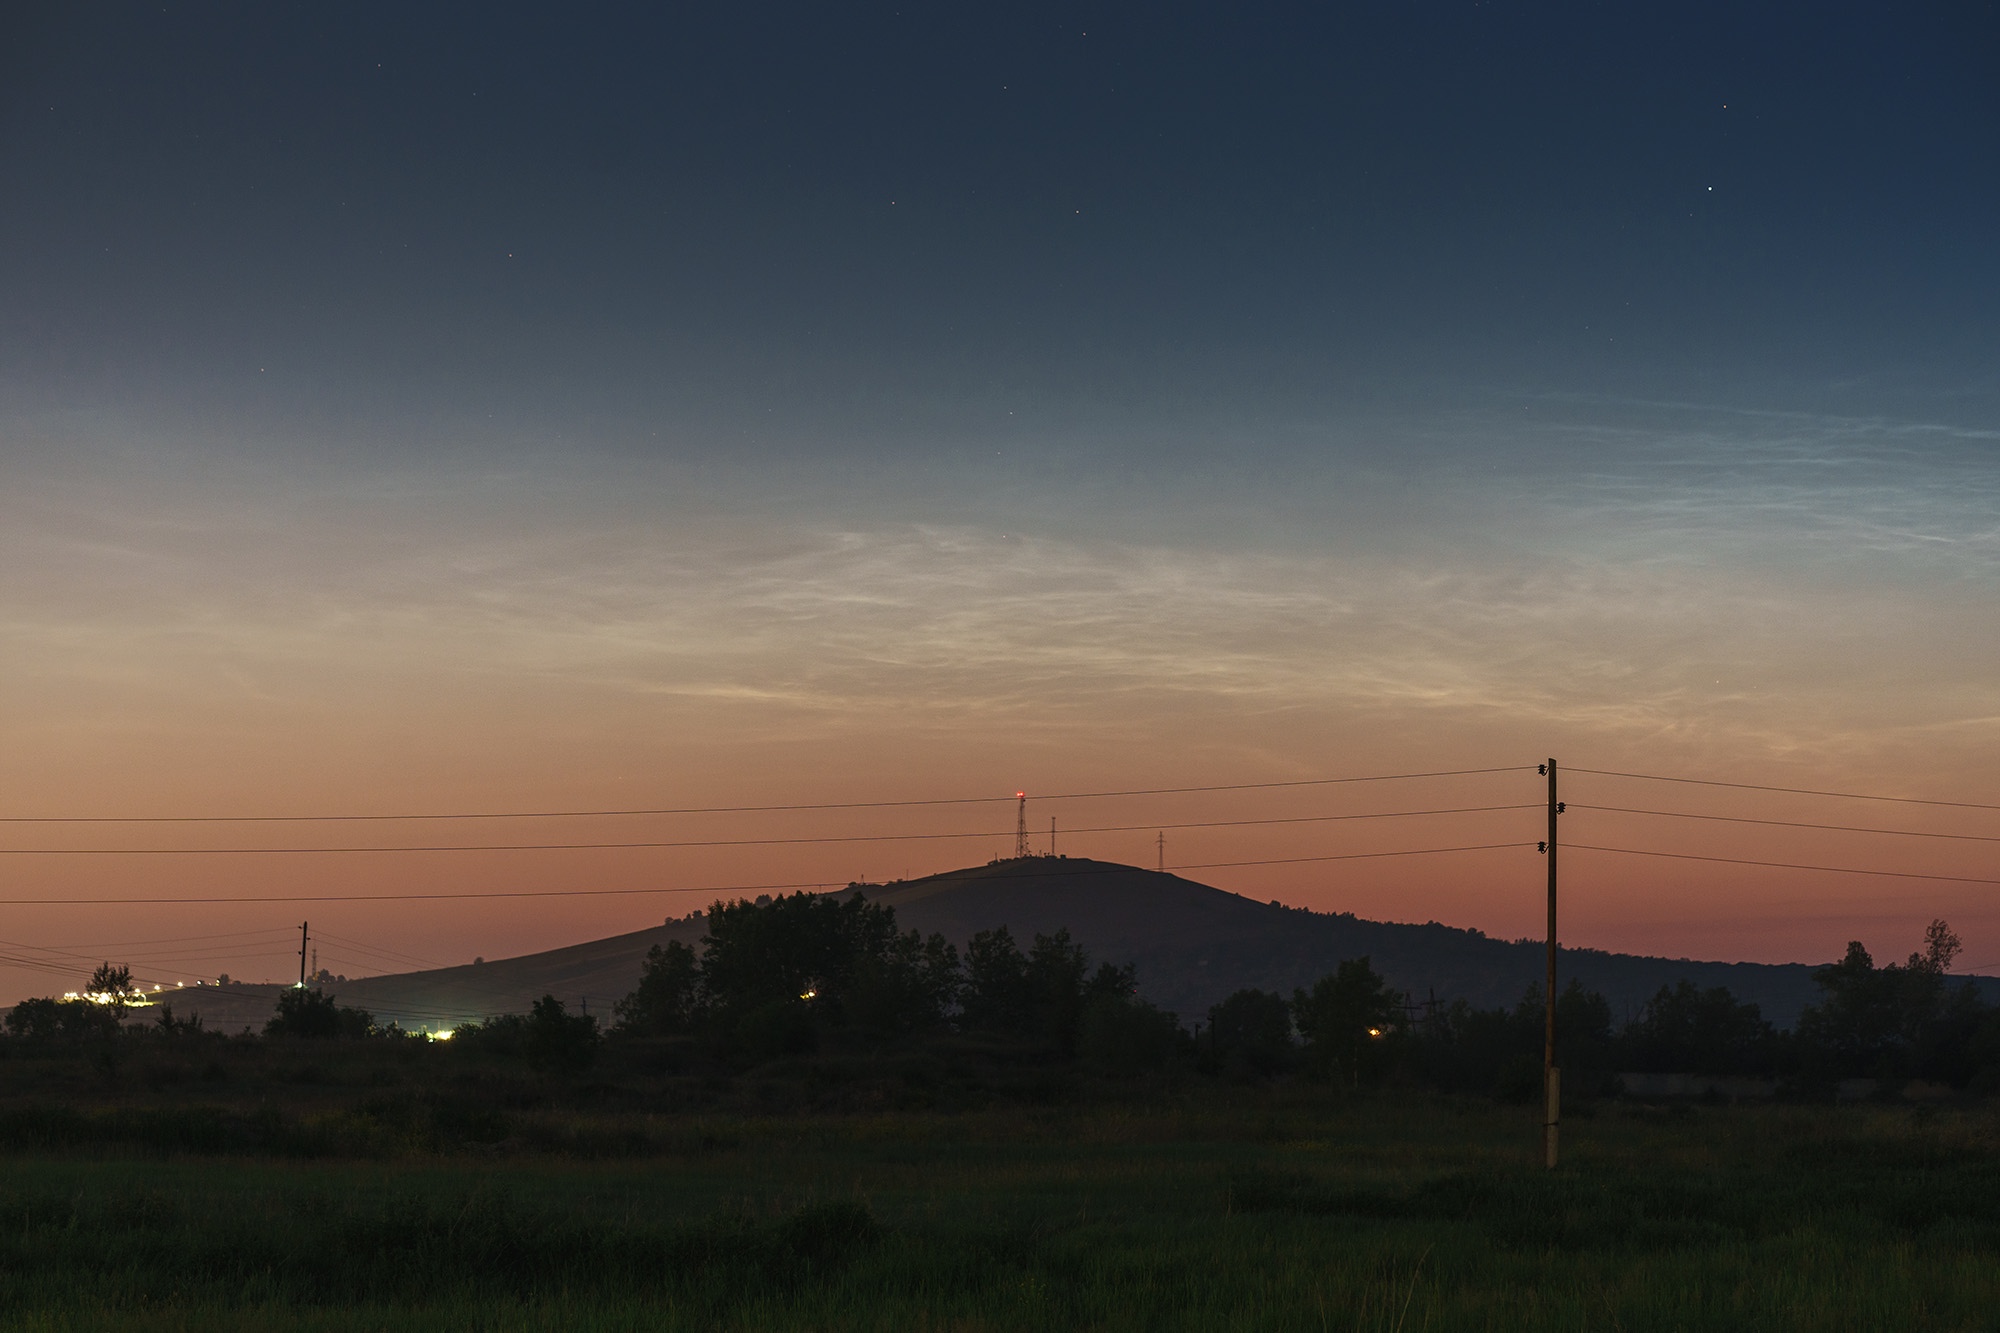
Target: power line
1051, 869
732, 809
92, 957
390, 954
1784, 865
395, 897
1787, 823
1353, 856
1795, 791
715, 842
171, 939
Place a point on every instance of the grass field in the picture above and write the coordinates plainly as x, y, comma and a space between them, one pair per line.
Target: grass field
1202, 1208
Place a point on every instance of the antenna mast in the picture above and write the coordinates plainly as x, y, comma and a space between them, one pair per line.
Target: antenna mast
1162, 841
1021, 825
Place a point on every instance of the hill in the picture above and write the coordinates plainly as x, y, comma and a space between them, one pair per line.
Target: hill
1192, 945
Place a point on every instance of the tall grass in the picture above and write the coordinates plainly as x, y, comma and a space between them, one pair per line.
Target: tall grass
1263, 1214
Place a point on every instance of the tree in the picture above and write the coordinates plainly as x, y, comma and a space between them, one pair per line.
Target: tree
1497, 1052
1345, 1018
167, 1025
558, 1041
50, 1022
1056, 973
111, 986
840, 955
1890, 1022
668, 1000
996, 997
1251, 1033
312, 1013
1125, 1033
774, 972
1040, 996
1583, 1038
1941, 946
906, 984
1686, 1030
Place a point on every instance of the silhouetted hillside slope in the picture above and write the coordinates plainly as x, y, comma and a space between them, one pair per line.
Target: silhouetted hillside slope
1192, 945
596, 972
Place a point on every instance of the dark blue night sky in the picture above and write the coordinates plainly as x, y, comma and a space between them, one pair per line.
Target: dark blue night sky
453, 405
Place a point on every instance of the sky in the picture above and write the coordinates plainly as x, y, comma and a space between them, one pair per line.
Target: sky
511, 409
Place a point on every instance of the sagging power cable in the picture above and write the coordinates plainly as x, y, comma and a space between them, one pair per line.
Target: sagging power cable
724, 842
1794, 791
738, 809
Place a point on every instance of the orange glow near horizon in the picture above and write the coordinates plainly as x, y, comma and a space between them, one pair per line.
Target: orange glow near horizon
233, 656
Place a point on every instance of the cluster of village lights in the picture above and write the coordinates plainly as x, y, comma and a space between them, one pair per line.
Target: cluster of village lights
143, 999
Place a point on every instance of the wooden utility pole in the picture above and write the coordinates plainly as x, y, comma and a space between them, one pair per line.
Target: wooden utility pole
1551, 1076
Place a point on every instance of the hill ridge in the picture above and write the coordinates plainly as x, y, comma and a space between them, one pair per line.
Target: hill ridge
1192, 945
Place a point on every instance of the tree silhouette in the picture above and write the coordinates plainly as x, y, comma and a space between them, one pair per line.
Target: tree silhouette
1251, 1033
112, 983
558, 1041
1687, 1030
312, 1013
824, 961
1344, 1018
669, 998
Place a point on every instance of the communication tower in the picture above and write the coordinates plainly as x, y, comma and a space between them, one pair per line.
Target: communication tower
1021, 825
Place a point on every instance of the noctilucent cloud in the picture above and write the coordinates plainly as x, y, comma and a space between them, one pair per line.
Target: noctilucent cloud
517, 409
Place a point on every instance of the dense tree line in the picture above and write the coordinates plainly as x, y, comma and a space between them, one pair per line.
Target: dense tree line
796, 974
1893, 1023
785, 975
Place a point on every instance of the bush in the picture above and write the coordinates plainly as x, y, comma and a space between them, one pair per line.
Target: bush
49, 1022
312, 1013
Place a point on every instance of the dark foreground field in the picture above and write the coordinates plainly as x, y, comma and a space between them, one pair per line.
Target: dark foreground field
1200, 1208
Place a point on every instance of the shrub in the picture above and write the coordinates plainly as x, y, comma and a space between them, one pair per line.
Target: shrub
312, 1013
